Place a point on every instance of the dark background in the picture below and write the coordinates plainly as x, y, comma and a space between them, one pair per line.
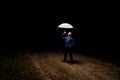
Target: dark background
35, 28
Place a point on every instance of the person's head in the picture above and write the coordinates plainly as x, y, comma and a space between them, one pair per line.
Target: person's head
69, 33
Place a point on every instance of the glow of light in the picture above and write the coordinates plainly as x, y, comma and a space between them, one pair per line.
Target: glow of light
65, 25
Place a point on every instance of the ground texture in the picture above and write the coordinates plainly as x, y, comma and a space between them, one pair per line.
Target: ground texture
49, 66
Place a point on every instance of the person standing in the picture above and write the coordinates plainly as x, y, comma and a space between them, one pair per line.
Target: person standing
68, 45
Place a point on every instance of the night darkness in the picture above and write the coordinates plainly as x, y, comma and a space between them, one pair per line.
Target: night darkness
33, 30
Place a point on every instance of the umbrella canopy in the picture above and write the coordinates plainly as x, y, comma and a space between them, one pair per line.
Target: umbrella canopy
65, 25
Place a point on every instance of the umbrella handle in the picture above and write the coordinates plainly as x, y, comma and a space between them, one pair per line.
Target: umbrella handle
64, 31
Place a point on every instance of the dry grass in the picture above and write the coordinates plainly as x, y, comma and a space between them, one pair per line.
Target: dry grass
49, 66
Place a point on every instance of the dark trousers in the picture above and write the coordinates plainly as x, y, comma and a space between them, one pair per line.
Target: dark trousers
68, 50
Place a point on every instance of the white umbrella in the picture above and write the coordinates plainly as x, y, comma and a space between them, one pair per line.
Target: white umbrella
65, 25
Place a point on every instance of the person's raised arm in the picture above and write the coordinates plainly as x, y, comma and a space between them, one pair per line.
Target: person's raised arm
63, 35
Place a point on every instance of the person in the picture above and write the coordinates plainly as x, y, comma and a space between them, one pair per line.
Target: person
68, 45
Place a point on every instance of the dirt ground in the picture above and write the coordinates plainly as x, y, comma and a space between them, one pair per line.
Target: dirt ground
49, 66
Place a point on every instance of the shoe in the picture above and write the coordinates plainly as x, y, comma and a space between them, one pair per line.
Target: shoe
71, 62
64, 61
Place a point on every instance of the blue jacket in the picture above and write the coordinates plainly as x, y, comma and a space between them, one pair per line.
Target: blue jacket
68, 41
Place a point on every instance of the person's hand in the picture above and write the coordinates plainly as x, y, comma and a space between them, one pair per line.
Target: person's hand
64, 32
69, 45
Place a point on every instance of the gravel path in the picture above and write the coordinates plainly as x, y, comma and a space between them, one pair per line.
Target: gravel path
49, 66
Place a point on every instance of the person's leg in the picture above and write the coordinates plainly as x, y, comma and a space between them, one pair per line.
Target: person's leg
70, 53
65, 54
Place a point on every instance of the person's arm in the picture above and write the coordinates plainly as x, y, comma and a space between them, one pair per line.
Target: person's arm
71, 42
63, 35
